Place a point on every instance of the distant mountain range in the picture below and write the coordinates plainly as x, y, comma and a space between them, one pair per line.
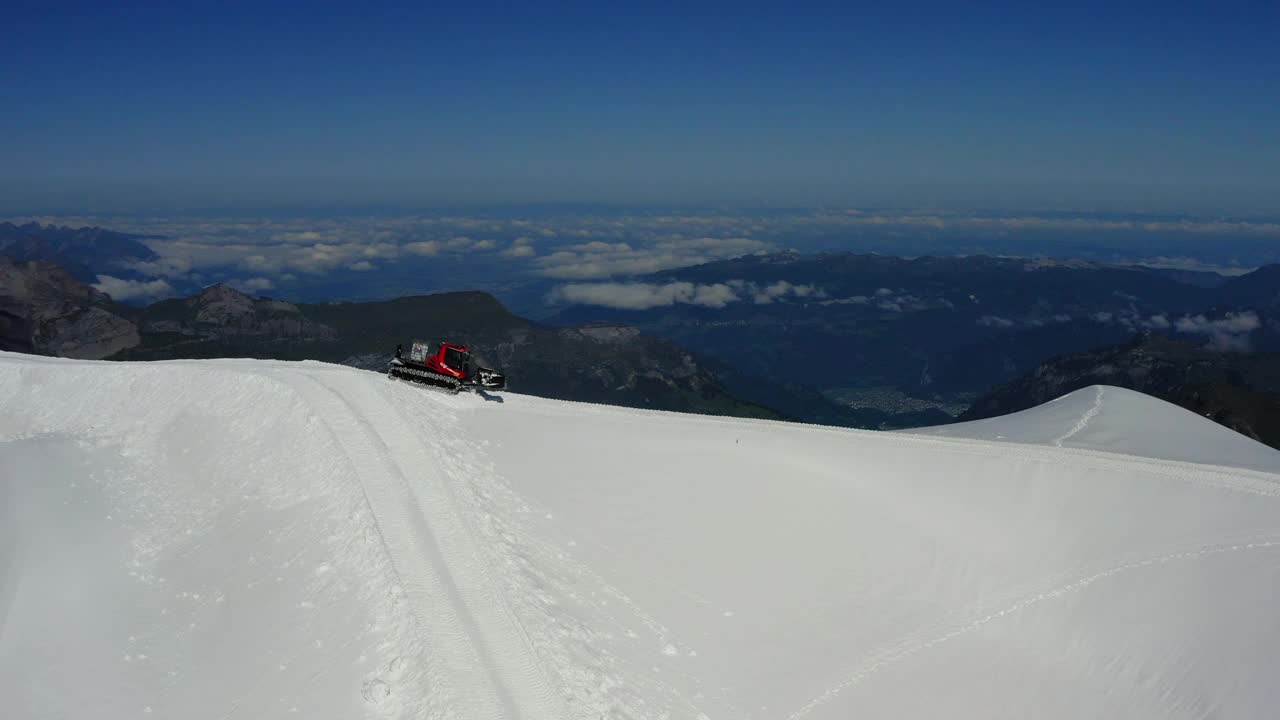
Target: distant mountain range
44, 309
84, 252
838, 338
868, 329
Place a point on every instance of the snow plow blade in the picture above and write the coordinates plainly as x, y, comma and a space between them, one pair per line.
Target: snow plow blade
490, 379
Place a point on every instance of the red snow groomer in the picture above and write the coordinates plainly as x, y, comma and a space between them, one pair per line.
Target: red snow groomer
449, 367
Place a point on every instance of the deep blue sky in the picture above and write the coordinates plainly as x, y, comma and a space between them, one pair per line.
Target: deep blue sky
1165, 106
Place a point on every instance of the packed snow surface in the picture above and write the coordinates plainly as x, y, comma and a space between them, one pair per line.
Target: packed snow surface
251, 539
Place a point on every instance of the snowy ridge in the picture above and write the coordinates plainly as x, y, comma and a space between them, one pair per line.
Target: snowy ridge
234, 538
1121, 422
1083, 422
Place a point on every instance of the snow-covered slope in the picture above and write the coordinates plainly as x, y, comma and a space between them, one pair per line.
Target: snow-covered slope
249, 539
1120, 420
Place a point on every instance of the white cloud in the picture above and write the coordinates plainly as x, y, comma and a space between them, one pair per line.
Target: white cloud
308, 236
995, 321
310, 259
643, 296
599, 259
597, 246
121, 290
854, 300
717, 295
1187, 263
381, 250
260, 263
361, 266
311, 246
519, 251
166, 267
426, 248
766, 294
1229, 333
253, 285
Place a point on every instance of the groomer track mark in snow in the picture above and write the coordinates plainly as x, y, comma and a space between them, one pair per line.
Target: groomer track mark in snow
475, 642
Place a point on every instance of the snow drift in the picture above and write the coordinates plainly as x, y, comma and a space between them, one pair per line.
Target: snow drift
224, 539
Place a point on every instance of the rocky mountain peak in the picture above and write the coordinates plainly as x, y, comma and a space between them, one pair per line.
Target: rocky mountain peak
222, 305
220, 292
37, 279
43, 308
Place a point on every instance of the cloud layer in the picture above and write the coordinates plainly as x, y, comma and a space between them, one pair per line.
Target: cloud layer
645, 296
583, 247
568, 248
1227, 334
600, 259
1230, 333
124, 290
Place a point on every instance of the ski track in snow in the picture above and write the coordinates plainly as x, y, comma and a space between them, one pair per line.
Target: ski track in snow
503, 631
433, 601
478, 658
1090, 414
902, 651
528, 564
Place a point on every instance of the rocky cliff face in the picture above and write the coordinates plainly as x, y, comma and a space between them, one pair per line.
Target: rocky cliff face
44, 309
88, 333
221, 312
